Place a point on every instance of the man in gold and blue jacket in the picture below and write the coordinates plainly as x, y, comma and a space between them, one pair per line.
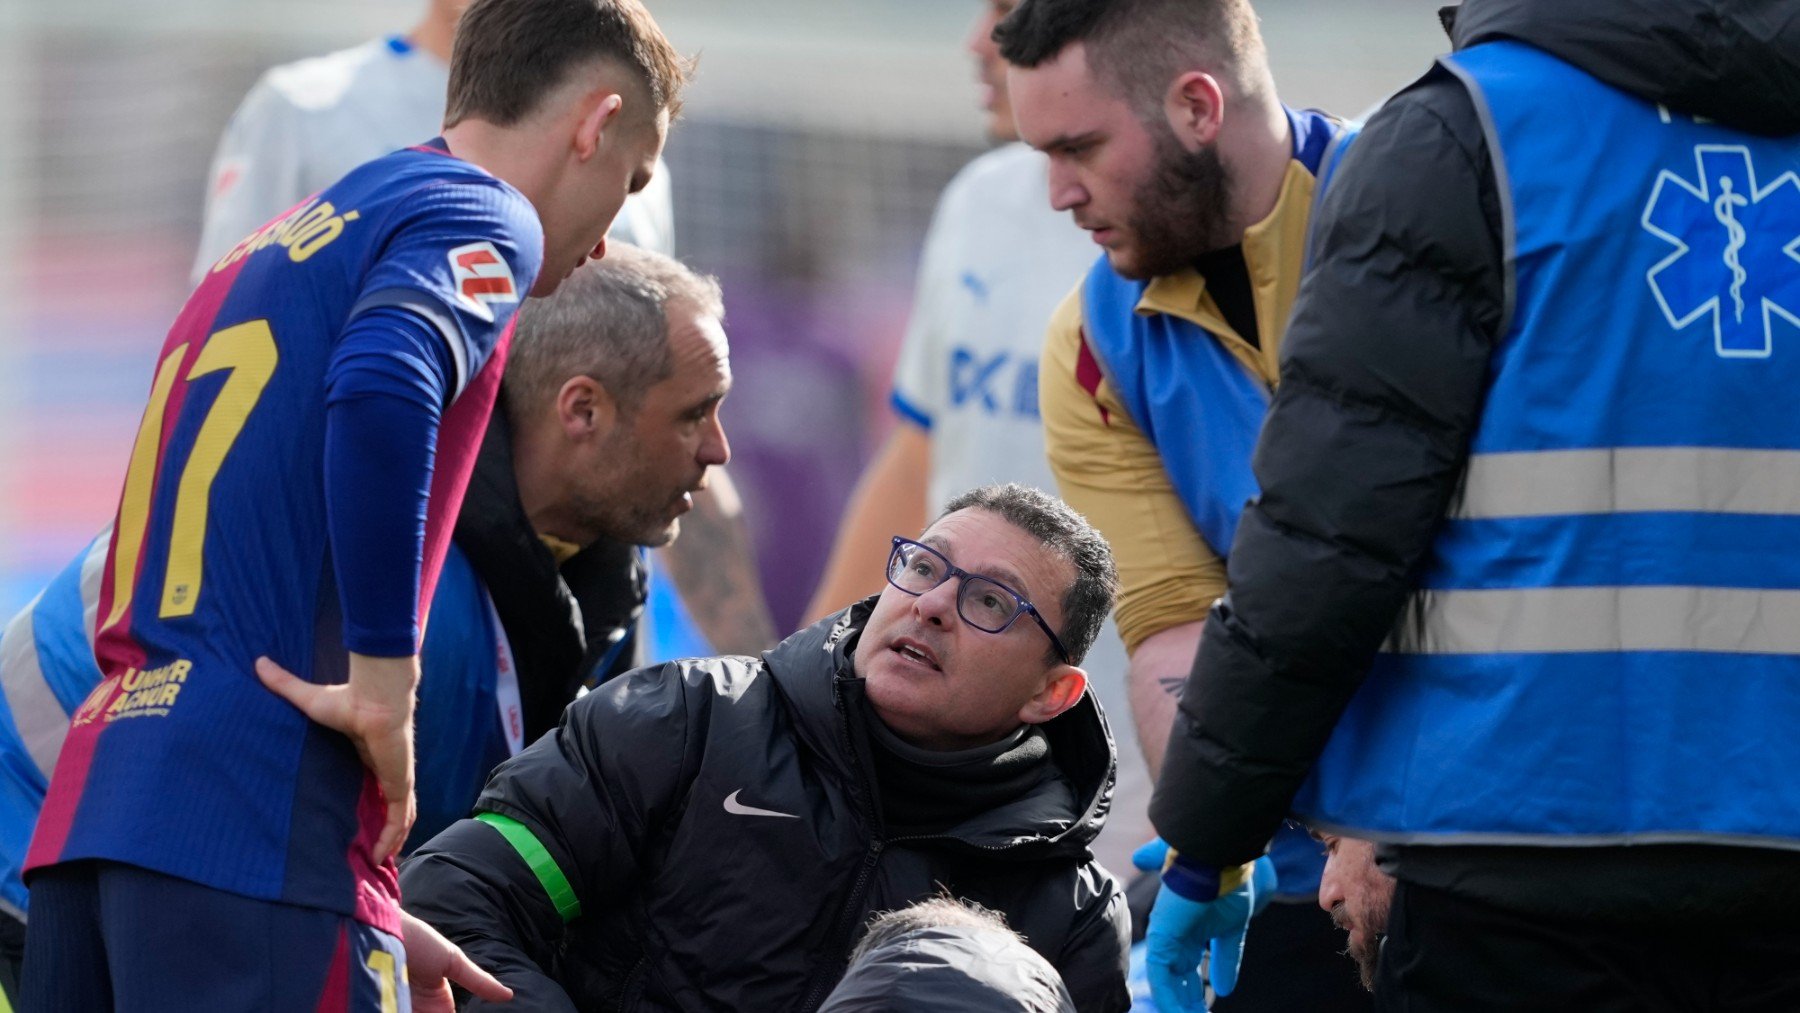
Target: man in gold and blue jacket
1168, 143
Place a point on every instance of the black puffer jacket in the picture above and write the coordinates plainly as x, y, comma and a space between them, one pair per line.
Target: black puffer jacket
1383, 376
718, 827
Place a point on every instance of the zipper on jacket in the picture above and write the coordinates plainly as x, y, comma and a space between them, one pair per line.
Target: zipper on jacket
839, 941
846, 925
634, 984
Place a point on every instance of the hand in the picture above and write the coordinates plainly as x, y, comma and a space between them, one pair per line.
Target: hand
1151, 855
1183, 930
434, 963
375, 709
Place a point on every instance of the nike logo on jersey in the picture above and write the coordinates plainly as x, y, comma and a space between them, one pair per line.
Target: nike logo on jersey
482, 278
736, 808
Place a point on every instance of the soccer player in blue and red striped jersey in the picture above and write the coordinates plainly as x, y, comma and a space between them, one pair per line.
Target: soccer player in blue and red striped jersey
311, 426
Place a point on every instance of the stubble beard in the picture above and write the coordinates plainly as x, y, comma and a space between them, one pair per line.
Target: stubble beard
1181, 210
623, 516
1363, 947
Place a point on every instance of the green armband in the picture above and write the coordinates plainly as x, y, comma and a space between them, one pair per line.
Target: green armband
538, 858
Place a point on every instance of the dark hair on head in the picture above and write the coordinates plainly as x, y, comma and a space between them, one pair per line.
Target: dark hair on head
610, 321
1068, 534
938, 912
509, 54
1138, 46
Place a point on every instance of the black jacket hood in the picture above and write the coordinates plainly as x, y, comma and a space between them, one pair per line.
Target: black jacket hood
951, 970
1081, 744
1734, 61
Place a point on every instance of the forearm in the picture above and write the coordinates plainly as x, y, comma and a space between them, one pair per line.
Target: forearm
474, 889
888, 500
382, 411
715, 570
1159, 668
377, 484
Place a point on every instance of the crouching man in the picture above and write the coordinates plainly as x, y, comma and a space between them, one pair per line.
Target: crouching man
713, 834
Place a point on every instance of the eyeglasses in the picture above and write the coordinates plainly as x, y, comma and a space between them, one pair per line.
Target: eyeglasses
982, 602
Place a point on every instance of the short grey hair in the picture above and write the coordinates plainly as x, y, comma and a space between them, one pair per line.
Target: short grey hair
1068, 534
610, 321
942, 911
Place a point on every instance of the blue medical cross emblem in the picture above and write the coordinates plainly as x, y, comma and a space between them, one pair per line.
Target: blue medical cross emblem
1737, 250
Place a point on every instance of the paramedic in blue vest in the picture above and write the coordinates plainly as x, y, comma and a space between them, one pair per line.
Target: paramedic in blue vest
1168, 143
608, 423
1517, 600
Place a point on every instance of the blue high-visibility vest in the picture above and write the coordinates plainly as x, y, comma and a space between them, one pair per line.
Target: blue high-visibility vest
1202, 410
1604, 646
1184, 390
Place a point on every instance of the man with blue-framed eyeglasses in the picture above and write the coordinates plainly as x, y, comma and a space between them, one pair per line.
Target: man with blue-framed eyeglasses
716, 832
945, 661
982, 602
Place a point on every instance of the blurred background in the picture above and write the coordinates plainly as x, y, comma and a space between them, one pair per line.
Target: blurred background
816, 138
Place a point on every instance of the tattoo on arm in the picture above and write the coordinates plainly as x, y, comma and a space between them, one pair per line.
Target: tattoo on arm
713, 569
1171, 684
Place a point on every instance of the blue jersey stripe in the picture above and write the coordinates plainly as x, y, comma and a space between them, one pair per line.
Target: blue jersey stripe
59, 623
909, 411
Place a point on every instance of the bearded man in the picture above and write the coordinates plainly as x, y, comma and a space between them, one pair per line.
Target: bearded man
1168, 144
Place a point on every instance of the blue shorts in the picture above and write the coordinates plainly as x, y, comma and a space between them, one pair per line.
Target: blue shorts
111, 937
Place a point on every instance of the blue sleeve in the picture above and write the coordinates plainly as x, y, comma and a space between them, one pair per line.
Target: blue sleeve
47, 669
388, 381
460, 254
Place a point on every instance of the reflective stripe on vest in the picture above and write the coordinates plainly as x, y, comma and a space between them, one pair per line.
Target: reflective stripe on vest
1605, 643
47, 657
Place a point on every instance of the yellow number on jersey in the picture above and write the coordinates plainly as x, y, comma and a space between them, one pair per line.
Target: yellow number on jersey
140, 475
248, 351
382, 963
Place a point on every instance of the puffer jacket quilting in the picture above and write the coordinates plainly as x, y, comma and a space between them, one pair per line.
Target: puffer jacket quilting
715, 823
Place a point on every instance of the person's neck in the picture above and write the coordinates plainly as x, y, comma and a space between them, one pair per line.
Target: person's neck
538, 470
436, 33
514, 154
943, 751
1256, 152
928, 791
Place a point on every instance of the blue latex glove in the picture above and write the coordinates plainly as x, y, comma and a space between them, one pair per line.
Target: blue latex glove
1153, 854
1182, 931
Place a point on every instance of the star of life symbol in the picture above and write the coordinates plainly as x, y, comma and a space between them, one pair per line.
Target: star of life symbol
1737, 250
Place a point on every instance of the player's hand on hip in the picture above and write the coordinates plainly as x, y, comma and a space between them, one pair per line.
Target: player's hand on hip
375, 709
434, 963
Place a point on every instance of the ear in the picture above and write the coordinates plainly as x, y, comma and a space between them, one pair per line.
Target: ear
1062, 690
585, 409
1195, 107
599, 110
